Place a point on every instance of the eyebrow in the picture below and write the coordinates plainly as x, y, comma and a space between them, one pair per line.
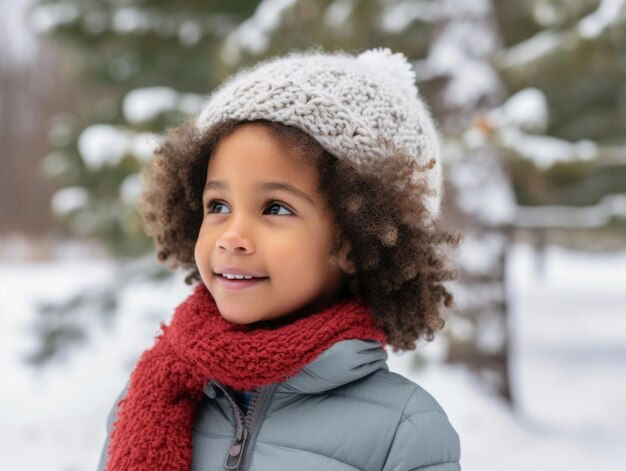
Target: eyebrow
266, 186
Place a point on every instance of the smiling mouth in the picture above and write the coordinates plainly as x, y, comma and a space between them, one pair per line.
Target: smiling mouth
233, 277
232, 282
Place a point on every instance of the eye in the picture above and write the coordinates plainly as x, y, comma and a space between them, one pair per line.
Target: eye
276, 208
216, 206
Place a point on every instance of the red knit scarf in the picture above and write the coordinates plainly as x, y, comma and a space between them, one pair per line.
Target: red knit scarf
154, 420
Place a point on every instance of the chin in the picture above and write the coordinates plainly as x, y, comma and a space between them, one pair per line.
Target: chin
236, 316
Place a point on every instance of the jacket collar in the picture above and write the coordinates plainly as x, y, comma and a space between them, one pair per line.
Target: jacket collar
346, 361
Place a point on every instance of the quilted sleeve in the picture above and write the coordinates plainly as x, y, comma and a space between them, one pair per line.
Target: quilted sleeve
110, 420
425, 439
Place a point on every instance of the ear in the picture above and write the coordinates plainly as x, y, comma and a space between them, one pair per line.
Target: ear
345, 264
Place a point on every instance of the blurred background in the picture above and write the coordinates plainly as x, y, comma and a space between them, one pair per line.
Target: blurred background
531, 100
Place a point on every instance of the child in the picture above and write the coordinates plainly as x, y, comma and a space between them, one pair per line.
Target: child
303, 200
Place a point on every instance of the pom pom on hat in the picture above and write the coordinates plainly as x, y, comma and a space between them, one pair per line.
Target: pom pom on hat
394, 66
349, 104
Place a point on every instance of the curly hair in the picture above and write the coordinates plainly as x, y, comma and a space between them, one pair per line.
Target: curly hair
399, 263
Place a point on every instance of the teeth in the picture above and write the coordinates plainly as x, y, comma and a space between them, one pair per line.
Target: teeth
237, 277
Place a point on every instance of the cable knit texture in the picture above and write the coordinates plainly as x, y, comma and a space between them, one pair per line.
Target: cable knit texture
352, 105
153, 430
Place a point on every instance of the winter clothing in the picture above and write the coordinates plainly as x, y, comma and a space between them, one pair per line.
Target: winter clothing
344, 411
322, 395
353, 106
154, 426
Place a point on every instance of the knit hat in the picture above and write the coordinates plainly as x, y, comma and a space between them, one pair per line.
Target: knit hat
347, 103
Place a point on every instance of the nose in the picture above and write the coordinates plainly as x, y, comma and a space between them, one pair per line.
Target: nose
236, 237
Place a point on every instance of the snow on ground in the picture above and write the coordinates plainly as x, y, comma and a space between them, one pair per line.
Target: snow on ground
569, 366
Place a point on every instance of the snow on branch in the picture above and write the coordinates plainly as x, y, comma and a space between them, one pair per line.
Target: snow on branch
397, 18
548, 43
585, 217
143, 105
102, 145
610, 12
535, 48
526, 109
47, 17
252, 35
545, 151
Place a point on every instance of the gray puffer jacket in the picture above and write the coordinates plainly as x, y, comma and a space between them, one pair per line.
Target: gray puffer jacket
345, 411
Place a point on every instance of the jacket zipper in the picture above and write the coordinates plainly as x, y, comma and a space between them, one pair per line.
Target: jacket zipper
257, 410
247, 426
237, 449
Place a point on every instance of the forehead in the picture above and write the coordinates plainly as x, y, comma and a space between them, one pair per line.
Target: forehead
252, 153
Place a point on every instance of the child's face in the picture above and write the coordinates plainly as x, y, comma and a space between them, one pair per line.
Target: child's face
255, 225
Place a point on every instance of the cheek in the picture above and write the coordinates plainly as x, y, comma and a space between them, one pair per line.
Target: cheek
285, 258
203, 247
301, 258
197, 251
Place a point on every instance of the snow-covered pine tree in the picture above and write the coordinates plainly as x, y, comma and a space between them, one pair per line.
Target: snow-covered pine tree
529, 94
